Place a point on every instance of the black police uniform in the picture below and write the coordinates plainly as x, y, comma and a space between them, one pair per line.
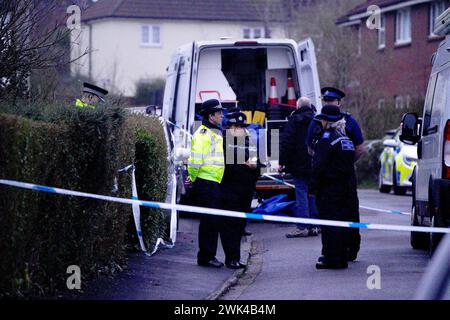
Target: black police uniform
335, 188
237, 189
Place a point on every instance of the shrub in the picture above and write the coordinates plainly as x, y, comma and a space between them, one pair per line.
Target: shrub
368, 166
42, 234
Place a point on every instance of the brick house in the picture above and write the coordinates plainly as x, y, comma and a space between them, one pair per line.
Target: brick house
394, 61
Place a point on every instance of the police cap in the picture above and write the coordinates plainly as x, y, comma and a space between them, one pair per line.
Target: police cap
238, 119
330, 113
95, 90
332, 93
211, 106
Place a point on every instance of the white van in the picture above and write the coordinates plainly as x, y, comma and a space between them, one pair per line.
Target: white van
238, 73
431, 187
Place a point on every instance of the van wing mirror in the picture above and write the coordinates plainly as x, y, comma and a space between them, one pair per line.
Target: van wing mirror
410, 133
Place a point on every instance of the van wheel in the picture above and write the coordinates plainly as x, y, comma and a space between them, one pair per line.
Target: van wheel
384, 188
398, 190
419, 240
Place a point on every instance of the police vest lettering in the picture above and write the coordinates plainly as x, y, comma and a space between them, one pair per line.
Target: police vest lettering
207, 157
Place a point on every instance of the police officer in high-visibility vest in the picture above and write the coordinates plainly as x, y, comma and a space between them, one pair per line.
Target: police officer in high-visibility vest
333, 97
91, 97
206, 168
334, 186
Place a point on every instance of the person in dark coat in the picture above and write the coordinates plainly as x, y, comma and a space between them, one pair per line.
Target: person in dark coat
238, 185
333, 97
295, 159
334, 186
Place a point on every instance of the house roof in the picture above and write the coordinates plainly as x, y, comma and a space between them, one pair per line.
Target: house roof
363, 8
207, 10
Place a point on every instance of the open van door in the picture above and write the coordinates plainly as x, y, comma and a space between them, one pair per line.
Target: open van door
308, 74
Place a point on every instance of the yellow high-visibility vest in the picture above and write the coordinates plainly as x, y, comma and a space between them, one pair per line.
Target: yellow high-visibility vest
207, 158
81, 104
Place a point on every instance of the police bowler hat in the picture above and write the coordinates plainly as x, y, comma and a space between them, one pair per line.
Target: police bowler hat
238, 119
211, 106
330, 113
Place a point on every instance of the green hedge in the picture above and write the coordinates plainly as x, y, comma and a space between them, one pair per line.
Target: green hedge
42, 234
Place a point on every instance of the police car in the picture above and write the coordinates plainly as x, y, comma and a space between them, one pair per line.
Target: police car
398, 161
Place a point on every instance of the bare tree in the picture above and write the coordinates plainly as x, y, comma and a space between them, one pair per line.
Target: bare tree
31, 38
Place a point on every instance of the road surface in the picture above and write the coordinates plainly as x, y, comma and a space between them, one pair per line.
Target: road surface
284, 269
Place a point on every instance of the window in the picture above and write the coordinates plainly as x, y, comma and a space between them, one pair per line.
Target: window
436, 9
381, 104
253, 33
428, 105
382, 33
403, 26
150, 35
399, 102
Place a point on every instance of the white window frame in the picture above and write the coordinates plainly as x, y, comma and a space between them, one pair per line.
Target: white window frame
382, 32
252, 31
152, 28
436, 9
399, 102
403, 26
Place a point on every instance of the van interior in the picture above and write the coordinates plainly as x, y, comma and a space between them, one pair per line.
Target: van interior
241, 77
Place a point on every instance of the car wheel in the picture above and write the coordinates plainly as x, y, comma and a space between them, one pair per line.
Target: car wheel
384, 188
398, 190
419, 240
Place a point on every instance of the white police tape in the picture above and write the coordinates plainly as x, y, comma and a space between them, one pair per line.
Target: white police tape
227, 213
386, 211
362, 207
137, 215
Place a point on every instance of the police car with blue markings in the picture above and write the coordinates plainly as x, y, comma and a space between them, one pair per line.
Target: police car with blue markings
397, 163
431, 196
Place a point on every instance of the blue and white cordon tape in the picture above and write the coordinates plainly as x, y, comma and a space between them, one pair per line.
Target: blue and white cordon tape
227, 213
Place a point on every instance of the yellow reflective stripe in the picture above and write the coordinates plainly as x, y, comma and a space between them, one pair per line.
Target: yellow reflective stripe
196, 155
81, 104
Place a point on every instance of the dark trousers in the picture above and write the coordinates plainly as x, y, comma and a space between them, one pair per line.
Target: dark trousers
338, 243
206, 194
353, 242
233, 228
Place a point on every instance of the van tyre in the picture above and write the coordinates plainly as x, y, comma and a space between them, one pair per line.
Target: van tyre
398, 190
419, 240
435, 238
384, 188
437, 221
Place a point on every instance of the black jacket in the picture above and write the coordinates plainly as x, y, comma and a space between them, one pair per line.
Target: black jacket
238, 177
293, 149
333, 169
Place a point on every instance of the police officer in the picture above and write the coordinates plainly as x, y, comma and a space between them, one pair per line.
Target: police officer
333, 97
206, 168
92, 95
238, 184
332, 182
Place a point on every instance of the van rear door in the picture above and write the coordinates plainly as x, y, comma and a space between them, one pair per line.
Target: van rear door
308, 74
177, 94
